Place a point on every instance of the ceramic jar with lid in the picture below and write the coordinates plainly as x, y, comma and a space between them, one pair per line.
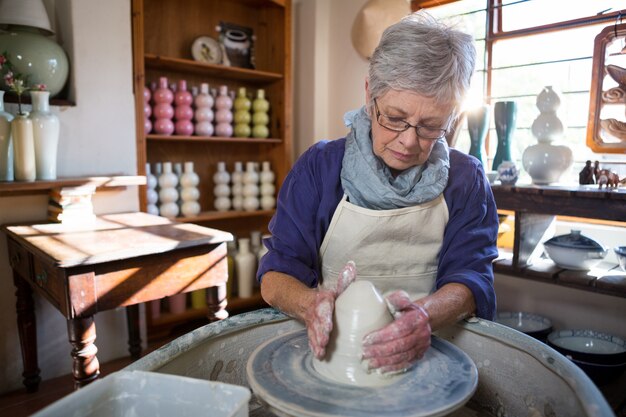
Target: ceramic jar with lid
575, 251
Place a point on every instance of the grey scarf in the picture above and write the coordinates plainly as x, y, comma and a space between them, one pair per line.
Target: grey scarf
368, 181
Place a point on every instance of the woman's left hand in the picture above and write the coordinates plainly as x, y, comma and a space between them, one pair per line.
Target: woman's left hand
397, 346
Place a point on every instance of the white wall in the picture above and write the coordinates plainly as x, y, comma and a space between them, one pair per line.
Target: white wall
97, 138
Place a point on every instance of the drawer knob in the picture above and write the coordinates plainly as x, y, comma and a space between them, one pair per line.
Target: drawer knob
42, 278
15, 260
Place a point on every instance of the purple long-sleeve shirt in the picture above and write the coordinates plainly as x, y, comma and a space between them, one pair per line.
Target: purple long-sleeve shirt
312, 190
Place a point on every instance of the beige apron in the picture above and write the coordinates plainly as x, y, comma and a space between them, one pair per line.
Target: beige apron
394, 249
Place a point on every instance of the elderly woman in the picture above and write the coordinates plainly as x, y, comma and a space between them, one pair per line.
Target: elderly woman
417, 218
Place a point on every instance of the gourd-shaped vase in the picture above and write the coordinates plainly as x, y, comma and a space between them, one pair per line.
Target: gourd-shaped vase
183, 113
251, 188
204, 112
189, 191
237, 186
152, 197
46, 130
6, 143
268, 201
505, 118
178, 170
242, 114
25, 168
168, 195
147, 110
223, 114
221, 190
260, 117
477, 126
546, 162
245, 263
163, 111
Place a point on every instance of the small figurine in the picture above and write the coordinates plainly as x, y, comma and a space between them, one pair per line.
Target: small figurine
608, 178
586, 175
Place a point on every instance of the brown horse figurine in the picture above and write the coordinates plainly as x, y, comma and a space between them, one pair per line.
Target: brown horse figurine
608, 178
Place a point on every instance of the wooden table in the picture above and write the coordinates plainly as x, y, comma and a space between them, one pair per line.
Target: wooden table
120, 260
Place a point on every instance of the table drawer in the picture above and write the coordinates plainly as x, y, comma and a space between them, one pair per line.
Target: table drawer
18, 259
50, 281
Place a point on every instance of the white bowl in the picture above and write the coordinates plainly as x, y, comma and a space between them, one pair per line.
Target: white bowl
575, 251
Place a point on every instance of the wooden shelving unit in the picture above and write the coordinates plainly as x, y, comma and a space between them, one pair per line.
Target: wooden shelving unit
102, 183
163, 31
535, 208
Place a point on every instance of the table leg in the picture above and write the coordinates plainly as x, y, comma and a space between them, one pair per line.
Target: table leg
27, 329
82, 334
134, 335
216, 301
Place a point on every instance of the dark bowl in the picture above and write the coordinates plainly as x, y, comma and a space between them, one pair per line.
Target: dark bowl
531, 324
589, 346
601, 374
620, 252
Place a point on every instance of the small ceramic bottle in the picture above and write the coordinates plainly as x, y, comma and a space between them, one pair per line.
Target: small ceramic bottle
152, 197
260, 117
183, 111
168, 194
163, 111
268, 189
204, 112
245, 262
147, 110
224, 115
221, 190
242, 114
237, 186
178, 170
189, 192
6, 143
250, 188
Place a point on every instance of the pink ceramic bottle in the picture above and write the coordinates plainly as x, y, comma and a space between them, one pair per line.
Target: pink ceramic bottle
163, 110
182, 111
204, 112
224, 115
147, 110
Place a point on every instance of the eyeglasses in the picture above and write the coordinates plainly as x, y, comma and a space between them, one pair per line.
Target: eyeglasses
400, 125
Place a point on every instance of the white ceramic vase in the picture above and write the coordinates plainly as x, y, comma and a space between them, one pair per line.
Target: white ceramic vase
189, 191
237, 186
221, 191
251, 188
24, 148
152, 197
6, 143
546, 162
167, 192
46, 129
245, 263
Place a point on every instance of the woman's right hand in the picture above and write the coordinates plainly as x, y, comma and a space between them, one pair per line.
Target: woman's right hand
319, 315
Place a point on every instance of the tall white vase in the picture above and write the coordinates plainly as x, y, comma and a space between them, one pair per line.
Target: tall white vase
237, 186
189, 191
251, 188
245, 262
46, 129
221, 191
167, 193
24, 148
6, 143
152, 197
267, 189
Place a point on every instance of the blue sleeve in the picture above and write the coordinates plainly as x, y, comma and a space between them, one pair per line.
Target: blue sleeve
305, 205
470, 239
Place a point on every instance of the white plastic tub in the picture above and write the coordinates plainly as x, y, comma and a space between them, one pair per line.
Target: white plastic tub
151, 394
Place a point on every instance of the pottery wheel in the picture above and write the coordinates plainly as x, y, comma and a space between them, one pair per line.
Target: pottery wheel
281, 374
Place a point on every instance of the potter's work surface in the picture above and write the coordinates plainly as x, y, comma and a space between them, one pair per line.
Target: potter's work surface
281, 374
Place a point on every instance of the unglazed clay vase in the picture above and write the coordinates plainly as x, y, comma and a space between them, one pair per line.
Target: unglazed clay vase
359, 310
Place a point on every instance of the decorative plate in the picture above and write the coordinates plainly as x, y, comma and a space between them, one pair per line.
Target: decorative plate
281, 374
206, 49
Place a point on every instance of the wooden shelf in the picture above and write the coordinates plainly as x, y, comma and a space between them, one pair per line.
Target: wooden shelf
222, 215
61, 102
220, 139
110, 183
164, 63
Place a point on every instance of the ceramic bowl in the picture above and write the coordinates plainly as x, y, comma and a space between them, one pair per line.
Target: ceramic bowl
533, 325
620, 252
575, 251
601, 355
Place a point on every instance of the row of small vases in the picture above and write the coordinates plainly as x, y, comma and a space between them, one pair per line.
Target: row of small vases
175, 110
29, 142
249, 189
172, 191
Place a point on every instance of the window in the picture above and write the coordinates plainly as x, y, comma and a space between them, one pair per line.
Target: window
525, 45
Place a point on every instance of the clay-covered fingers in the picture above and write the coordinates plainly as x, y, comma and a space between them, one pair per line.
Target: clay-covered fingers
401, 343
319, 322
398, 301
346, 277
